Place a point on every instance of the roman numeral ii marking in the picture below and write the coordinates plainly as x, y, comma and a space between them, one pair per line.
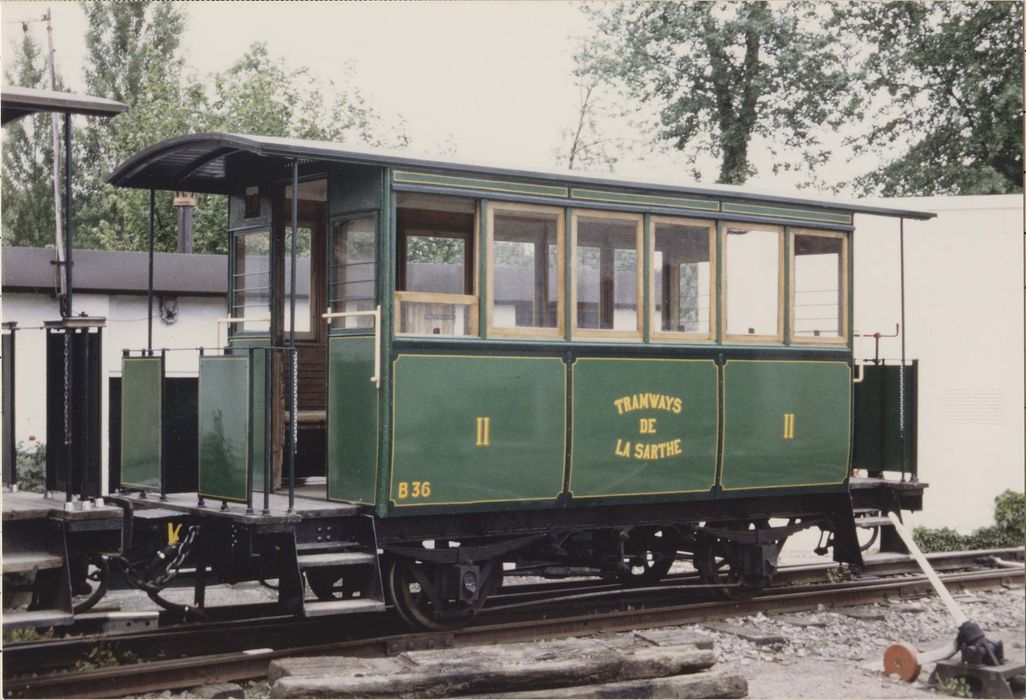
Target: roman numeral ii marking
789, 426
484, 424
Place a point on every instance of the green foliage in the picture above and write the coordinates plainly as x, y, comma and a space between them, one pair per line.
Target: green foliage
31, 466
104, 655
27, 188
723, 74
1008, 530
939, 540
947, 79
133, 55
1010, 512
26, 634
956, 688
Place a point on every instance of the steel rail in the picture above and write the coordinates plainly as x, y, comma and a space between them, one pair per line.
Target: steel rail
261, 625
186, 672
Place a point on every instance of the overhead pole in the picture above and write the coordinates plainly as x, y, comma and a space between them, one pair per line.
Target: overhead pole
56, 147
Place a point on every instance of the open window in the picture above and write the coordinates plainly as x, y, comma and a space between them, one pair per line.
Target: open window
525, 271
819, 287
251, 279
683, 260
753, 287
436, 250
607, 275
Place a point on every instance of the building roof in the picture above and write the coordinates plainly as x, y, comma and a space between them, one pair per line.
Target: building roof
18, 102
114, 271
225, 163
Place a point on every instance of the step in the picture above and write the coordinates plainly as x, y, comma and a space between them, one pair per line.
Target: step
331, 546
30, 561
310, 561
37, 618
873, 521
317, 608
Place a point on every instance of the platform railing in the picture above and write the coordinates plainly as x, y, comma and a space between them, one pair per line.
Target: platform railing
227, 467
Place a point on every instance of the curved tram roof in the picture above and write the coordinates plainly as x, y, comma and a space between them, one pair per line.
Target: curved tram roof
225, 163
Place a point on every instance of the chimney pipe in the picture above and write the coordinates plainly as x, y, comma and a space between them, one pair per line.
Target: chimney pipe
184, 203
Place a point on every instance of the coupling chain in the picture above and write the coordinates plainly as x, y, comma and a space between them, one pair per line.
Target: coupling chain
67, 389
173, 556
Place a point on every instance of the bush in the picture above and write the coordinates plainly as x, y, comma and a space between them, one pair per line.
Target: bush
1010, 513
31, 464
1009, 529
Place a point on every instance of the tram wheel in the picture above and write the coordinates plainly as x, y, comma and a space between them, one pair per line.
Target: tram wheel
94, 575
649, 562
718, 565
408, 583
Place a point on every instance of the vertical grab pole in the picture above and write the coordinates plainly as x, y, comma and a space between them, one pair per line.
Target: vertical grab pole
149, 287
163, 432
293, 437
249, 437
901, 369
268, 359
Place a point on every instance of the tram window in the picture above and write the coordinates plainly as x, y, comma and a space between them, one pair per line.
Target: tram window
819, 265
682, 277
607, 274
526, 278
304, 241
753, 282
436, 251
354, 260
251, 279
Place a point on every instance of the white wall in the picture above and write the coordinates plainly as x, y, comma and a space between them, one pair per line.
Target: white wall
964, 319
126, 328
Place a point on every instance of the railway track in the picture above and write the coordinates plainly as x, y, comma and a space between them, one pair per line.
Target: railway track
569, 609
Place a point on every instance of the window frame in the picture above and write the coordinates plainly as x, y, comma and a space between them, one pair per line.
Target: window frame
469, 300
639, 236
329, 260
238, 329
559, 330
656, 333
781, 277
843, 280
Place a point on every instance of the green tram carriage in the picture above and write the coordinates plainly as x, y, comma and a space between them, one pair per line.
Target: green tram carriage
489, 366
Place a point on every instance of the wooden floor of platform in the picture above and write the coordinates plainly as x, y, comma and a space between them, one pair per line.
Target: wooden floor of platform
310, 502
25, 505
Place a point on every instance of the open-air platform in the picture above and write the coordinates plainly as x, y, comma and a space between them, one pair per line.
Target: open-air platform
310, 502
26, 505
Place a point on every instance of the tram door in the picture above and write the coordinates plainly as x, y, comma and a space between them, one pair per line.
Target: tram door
310, 330
352, 346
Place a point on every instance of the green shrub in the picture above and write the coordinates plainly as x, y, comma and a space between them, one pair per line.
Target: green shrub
1009, 529
938, 540
31, 464
1010, 513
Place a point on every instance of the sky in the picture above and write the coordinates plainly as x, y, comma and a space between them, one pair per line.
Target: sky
488, 81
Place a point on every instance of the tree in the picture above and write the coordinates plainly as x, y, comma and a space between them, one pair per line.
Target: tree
583, 144
948, 79
27, 189
722, 74
133, 56
260, 94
